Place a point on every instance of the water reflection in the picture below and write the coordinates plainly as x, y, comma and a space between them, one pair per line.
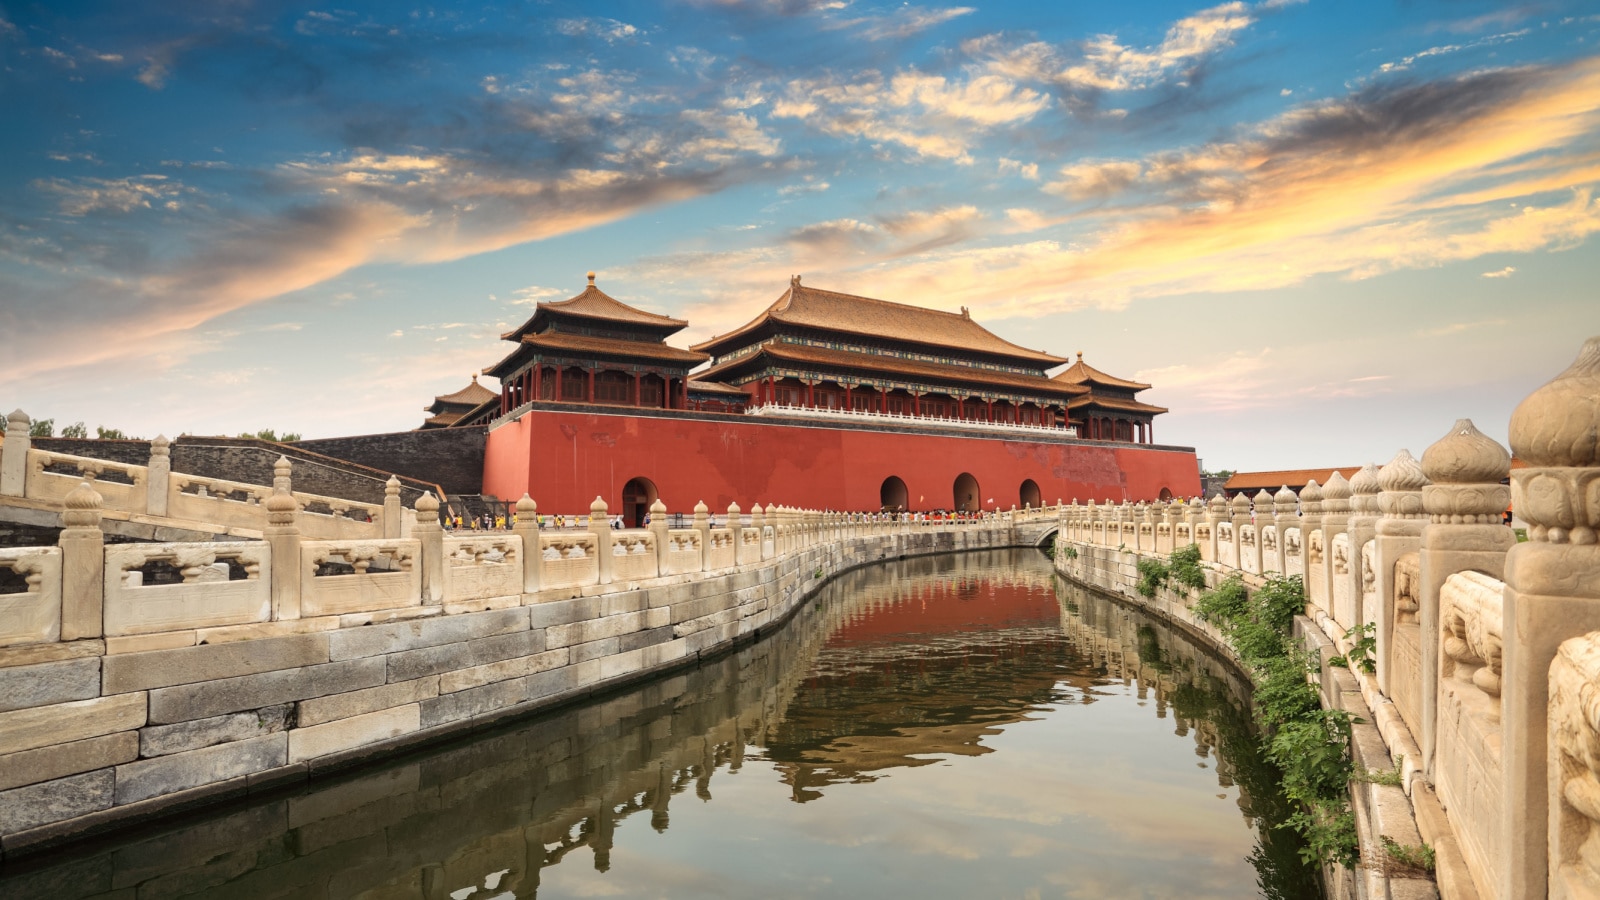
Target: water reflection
950, 726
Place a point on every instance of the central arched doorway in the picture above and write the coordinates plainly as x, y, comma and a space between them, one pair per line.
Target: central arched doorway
1030, 494
892, 495
967, 494
637, 495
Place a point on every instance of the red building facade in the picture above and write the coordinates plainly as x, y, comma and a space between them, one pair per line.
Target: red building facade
824, 400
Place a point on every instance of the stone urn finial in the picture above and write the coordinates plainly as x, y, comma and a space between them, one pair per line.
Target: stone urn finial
428, 503
526, 507
1558, 425
82, 507
598, 507
1466, 456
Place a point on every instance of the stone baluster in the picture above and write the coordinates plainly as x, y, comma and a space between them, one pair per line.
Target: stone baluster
158, 481
527, 530
1216, 514
1312, 547
1336, 521
1464, 502
1552, 594
1240, 518
430, 538
282, 535
600, 527
14, 455
1091, 516
391, 508
702, 527
1363, 528
735, 528
1194, 513
1399, 532
1285, 515
659, 527
758, 524
1261, 506
83, 561
1171, 514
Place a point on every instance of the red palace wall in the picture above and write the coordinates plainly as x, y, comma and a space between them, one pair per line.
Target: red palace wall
564, 459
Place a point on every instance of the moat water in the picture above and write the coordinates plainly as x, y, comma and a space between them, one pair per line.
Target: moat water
955, 726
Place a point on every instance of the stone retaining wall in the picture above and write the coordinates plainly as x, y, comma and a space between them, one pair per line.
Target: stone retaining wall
93, 739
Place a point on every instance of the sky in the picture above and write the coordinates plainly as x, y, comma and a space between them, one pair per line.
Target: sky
1323, 231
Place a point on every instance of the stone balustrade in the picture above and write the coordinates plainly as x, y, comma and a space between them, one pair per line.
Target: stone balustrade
44, 479
1487, 650
137, 678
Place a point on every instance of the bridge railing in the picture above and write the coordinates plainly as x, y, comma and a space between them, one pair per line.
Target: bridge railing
1487, 638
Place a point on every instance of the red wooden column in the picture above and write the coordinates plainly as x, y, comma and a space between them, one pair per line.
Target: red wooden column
559, 370
589, 384
1150, 432
538, 382
811, 394
636, 398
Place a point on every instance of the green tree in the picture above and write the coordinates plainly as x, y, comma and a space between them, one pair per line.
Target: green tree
43, 428
110, 434
75, 430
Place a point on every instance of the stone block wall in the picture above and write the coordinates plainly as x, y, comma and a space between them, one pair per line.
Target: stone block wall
97, 733
452, 458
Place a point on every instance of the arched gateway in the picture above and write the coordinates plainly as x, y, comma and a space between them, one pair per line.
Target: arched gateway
637, 495
892, 495
967, 495
1029, 494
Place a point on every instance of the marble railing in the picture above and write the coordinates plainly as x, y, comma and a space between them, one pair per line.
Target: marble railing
47, 477
126, 590
1486, 645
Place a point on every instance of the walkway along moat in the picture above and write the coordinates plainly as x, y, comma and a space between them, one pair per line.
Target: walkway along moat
953, 725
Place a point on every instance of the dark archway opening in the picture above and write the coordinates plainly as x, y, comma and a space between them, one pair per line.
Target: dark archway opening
1030, 494
637, 495
892, 495
967, 495
1166, 495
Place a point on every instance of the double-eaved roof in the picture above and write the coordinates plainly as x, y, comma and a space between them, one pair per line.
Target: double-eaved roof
808, 307
1081, 372
599, 307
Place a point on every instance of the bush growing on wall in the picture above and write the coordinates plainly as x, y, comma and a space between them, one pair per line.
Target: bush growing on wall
1311, 745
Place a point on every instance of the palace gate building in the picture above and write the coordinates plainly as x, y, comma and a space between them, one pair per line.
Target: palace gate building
825, 399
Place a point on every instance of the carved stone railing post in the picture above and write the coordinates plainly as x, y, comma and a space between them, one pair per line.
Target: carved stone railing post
758, 524
1552, 594
1216, 514
14, 455
1312, 546
702, 526
1285, 515
1340, 556
282, 535
159, 478
1399, 533
430, 535
1091, 520
391, 507
532, 557
659, 528
83, 561
600, 527
1263, 512
1362, 528
736, 528
1193, 514
1464, 502
1240, 518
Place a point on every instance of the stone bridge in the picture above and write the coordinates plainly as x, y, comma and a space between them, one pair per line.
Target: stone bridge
1486, 693
314, 633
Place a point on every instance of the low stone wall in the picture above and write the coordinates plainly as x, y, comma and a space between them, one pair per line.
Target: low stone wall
452, 458
93, 739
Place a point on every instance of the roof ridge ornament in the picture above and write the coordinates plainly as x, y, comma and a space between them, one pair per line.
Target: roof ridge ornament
591, 277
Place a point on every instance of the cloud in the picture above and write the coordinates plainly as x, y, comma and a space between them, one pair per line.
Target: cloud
609, 30
1406, 62
83, 196
931, 115
1459, 327
533, 294
1104, 63
903, 22
1500, 273
1396, 176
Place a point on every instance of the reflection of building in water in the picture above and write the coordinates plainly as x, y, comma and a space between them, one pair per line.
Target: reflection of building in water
827, 699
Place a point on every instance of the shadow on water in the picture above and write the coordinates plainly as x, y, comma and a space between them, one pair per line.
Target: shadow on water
956, 716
